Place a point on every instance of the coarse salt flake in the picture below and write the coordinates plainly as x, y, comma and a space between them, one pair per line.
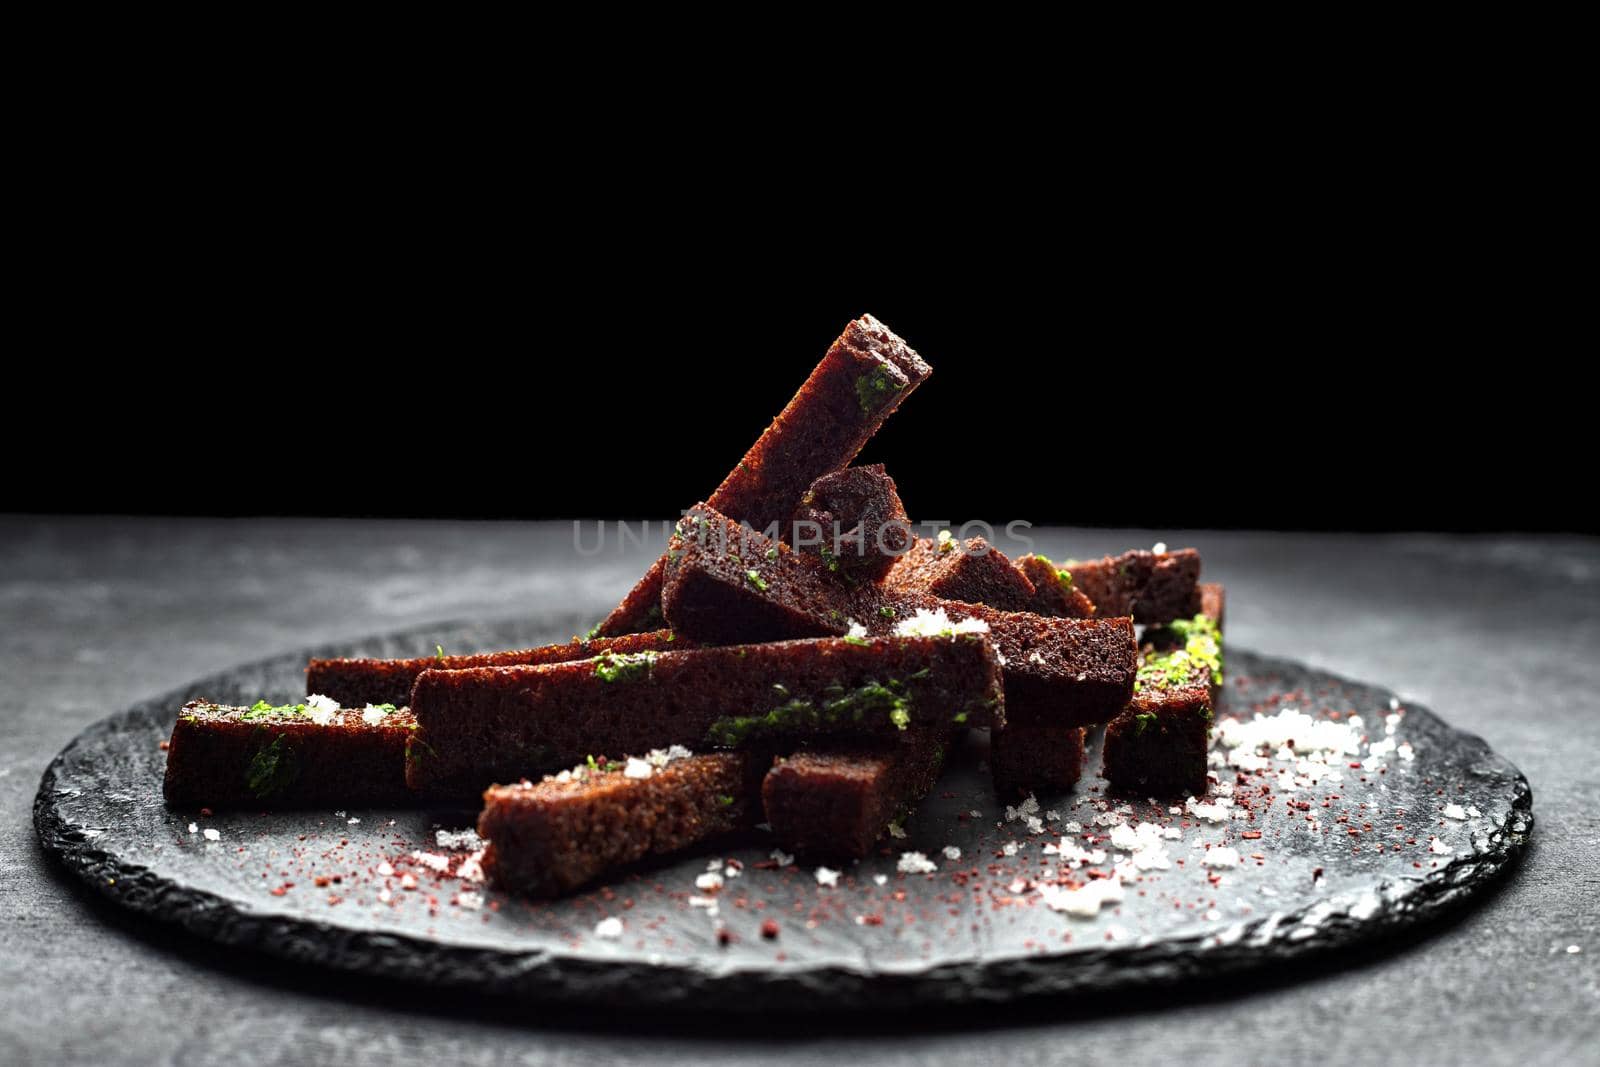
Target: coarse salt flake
608, 929
915, 863
471, 869
432, 861
454, 839
1085, 901
937, 623
320, 709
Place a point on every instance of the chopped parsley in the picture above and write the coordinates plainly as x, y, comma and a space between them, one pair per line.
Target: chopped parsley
800, 714
756, 580
624, 667
262, 710
875, 387
1200, 657
272, 769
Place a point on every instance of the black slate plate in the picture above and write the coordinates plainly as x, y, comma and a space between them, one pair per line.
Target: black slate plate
1340, 862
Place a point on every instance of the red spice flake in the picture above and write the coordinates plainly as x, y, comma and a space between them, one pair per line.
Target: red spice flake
872, 920
1251, 835
163, 746
724, 936
769, 929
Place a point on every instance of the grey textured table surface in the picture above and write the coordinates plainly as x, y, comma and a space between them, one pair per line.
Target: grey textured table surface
1496, 634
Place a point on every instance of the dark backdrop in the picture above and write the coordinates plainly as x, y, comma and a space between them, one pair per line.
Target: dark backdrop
1318, 373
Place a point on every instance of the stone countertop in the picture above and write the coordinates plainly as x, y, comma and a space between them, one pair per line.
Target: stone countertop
1497, 634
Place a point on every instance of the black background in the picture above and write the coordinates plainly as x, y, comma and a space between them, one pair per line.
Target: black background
1318, 362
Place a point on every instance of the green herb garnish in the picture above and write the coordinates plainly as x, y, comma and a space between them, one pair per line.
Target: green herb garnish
875, 387
272, 769
624, 667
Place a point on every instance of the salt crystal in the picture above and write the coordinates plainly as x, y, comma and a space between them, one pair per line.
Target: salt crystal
1085, 901
457, 839
915, 863
826, 876
471, 869
212, 835
609, 929
937, 623
433, 862
320, 709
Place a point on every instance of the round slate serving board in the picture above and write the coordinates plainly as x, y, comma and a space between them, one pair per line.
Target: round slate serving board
1353, 855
